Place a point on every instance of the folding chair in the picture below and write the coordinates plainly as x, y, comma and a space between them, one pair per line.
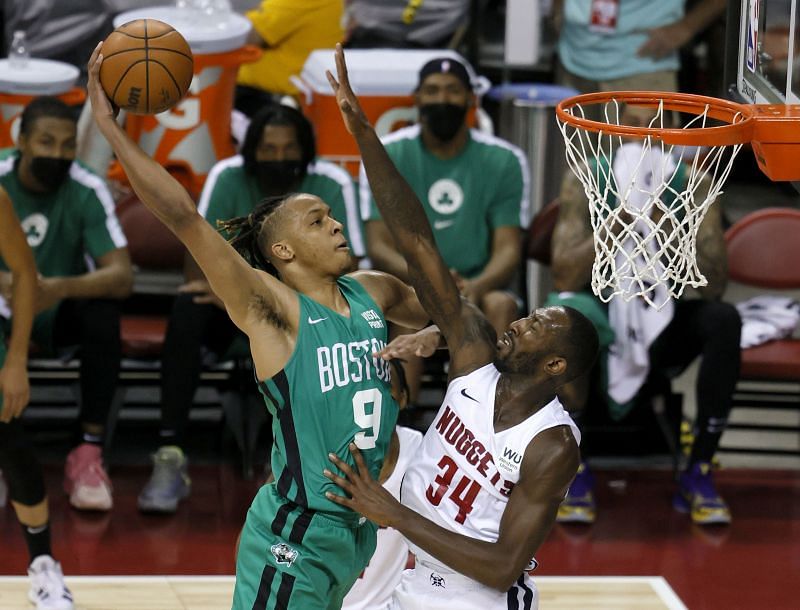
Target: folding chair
764, 253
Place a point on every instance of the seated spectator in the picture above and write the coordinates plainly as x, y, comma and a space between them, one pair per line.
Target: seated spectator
278, 157
67, 214
474, 188
288, 30
26, 480
404, 23
698, 324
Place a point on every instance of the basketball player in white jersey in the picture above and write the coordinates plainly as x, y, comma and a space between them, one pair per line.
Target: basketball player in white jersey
499, 457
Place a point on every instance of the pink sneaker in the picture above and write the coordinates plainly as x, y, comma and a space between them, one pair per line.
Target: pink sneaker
85, 479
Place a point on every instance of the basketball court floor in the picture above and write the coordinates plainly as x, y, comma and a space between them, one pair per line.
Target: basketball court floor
640, 554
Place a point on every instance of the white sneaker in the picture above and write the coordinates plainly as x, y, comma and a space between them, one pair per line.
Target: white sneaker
48, 590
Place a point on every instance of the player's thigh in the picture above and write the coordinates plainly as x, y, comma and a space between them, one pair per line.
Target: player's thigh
314, 572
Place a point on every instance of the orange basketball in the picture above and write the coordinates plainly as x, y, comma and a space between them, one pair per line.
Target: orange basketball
147, 66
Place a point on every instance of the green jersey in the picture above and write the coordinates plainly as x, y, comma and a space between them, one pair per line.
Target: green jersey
64, 226
330, 393
229, 192
466, 198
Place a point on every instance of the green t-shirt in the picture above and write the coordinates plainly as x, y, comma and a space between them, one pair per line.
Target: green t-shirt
230, 192
330, 393
485, 187
65, 226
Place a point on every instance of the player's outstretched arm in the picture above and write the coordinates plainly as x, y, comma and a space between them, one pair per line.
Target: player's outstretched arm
17, 255
547, 469
230, 276
405, 218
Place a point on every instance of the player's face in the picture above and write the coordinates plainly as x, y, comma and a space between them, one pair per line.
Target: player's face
316, 236
521, 348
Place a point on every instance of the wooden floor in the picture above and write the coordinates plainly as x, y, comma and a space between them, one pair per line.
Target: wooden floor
214, 593
751, 565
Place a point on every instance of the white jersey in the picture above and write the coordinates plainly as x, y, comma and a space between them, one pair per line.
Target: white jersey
466, 471
373, 590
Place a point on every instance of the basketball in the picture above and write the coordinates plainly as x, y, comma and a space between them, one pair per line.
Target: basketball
147, 66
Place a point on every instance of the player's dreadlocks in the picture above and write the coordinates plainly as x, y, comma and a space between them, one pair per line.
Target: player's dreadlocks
244, 232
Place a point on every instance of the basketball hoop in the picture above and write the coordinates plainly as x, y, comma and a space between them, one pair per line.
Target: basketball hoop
650, 187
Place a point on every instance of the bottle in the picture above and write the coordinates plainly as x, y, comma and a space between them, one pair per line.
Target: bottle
18, 53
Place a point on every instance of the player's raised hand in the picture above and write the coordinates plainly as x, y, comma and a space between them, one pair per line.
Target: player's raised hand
367, 496
354, 118
101, 105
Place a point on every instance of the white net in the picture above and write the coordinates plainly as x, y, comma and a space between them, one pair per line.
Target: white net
647, 200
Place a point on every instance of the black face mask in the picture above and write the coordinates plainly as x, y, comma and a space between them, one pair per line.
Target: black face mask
50, 172
444, 120
279, 176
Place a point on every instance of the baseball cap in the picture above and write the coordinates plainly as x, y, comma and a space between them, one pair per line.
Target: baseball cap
445, 65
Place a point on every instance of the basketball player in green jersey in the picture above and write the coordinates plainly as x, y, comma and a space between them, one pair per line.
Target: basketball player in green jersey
312, 335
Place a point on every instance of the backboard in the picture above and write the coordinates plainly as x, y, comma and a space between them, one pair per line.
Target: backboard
763, 56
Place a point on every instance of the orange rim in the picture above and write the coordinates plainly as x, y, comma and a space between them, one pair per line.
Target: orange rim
739, 117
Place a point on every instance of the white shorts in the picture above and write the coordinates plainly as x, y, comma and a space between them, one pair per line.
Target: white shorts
433, 587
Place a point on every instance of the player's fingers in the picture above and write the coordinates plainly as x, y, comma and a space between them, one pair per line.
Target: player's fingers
339, 481
359, 460
343, 466
332, 80
339, 499
341, 66
95, 55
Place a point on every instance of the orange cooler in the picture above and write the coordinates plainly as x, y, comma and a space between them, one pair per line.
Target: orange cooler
384, 80
191, 137
19, 86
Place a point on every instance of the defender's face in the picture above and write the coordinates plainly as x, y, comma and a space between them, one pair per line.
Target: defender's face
528, 340
315, 235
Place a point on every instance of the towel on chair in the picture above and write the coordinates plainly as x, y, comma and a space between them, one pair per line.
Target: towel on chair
766, 318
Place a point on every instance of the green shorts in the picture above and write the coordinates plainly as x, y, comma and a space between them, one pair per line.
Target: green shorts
297, 559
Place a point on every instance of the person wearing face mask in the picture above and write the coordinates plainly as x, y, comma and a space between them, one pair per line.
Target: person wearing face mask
67, 215
475, 191
278, 156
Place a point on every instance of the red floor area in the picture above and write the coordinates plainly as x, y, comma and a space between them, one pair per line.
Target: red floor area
753, 564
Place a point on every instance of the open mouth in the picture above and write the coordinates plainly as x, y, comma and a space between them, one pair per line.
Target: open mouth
505, 342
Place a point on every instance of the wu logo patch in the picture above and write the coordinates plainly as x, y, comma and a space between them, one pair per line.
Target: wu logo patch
283, 553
